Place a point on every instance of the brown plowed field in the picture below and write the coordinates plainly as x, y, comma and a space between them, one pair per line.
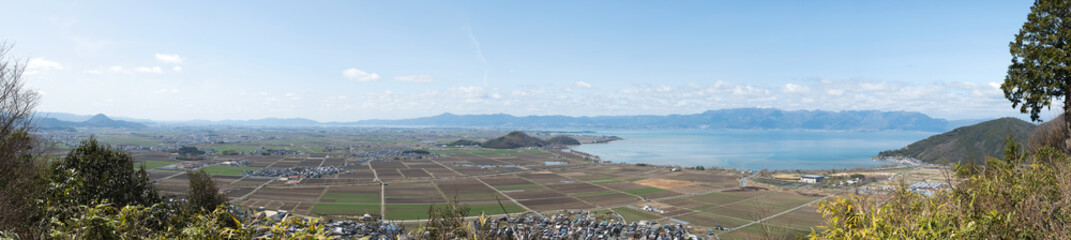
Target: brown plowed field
534, 194
555, 204
289, 194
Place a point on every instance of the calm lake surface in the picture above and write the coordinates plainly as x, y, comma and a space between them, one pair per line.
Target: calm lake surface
751, 149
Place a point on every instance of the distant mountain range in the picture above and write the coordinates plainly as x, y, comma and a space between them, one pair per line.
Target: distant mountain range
740, 118
97, 121
967, 144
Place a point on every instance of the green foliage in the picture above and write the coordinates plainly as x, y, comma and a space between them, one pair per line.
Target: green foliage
203, 195
464, 142
1023, 196
93, 173
563, 140
1041, 65
192, 151
446, 222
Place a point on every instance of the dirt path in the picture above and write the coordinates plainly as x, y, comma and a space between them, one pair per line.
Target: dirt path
510, 198
771, 216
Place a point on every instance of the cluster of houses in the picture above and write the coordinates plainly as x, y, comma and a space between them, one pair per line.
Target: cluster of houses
584, 226
295, 172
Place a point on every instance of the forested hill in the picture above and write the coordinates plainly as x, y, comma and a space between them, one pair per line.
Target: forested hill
967, 144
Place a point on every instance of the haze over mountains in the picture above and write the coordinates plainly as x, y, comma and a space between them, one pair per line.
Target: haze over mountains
739, 118
96, 121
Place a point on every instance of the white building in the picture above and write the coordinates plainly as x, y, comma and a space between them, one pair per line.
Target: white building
812, 178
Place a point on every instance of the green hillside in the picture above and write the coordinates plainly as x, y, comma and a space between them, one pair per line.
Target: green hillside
563, 140
514, 140
966, 144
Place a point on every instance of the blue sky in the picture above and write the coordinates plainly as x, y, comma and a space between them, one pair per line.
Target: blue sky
345, 61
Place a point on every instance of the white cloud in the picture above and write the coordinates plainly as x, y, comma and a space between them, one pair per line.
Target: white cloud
116, 69
360, 76
170, 58
582, 84
176, 69
415, 78
793, 88
40, 65
149, 69
835, 92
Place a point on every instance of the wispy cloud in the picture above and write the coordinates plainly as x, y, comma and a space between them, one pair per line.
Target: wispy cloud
170, 58
360, 76
479, 53
415, 78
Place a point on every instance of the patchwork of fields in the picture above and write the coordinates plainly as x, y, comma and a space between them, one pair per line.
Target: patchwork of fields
504, 181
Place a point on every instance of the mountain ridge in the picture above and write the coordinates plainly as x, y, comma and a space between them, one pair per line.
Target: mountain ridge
966, 144
98, 121
735, 118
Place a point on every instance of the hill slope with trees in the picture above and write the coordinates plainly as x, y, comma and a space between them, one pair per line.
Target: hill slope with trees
966, 144
514, 140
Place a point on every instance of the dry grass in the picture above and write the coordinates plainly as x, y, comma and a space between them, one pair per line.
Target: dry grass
665, 183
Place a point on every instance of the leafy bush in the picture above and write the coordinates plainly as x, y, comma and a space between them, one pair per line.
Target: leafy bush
1024, 196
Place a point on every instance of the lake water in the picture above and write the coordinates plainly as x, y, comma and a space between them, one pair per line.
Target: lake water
751, 149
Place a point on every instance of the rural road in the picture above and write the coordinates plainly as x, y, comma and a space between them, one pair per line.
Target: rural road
771, 216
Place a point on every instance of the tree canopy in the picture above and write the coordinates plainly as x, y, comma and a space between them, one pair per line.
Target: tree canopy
1041, 59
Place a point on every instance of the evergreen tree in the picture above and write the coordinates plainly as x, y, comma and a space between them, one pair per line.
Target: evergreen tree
1041, 61
93, 173
203, 195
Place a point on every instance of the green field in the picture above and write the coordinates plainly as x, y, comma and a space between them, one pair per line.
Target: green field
311, 149
633, 215
344, 209
351, 197
487, 151
228, 171
154, 164
408, 211
240, 148
646, 190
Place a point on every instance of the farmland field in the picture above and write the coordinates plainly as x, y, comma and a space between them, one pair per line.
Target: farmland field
382, 169
225, 170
